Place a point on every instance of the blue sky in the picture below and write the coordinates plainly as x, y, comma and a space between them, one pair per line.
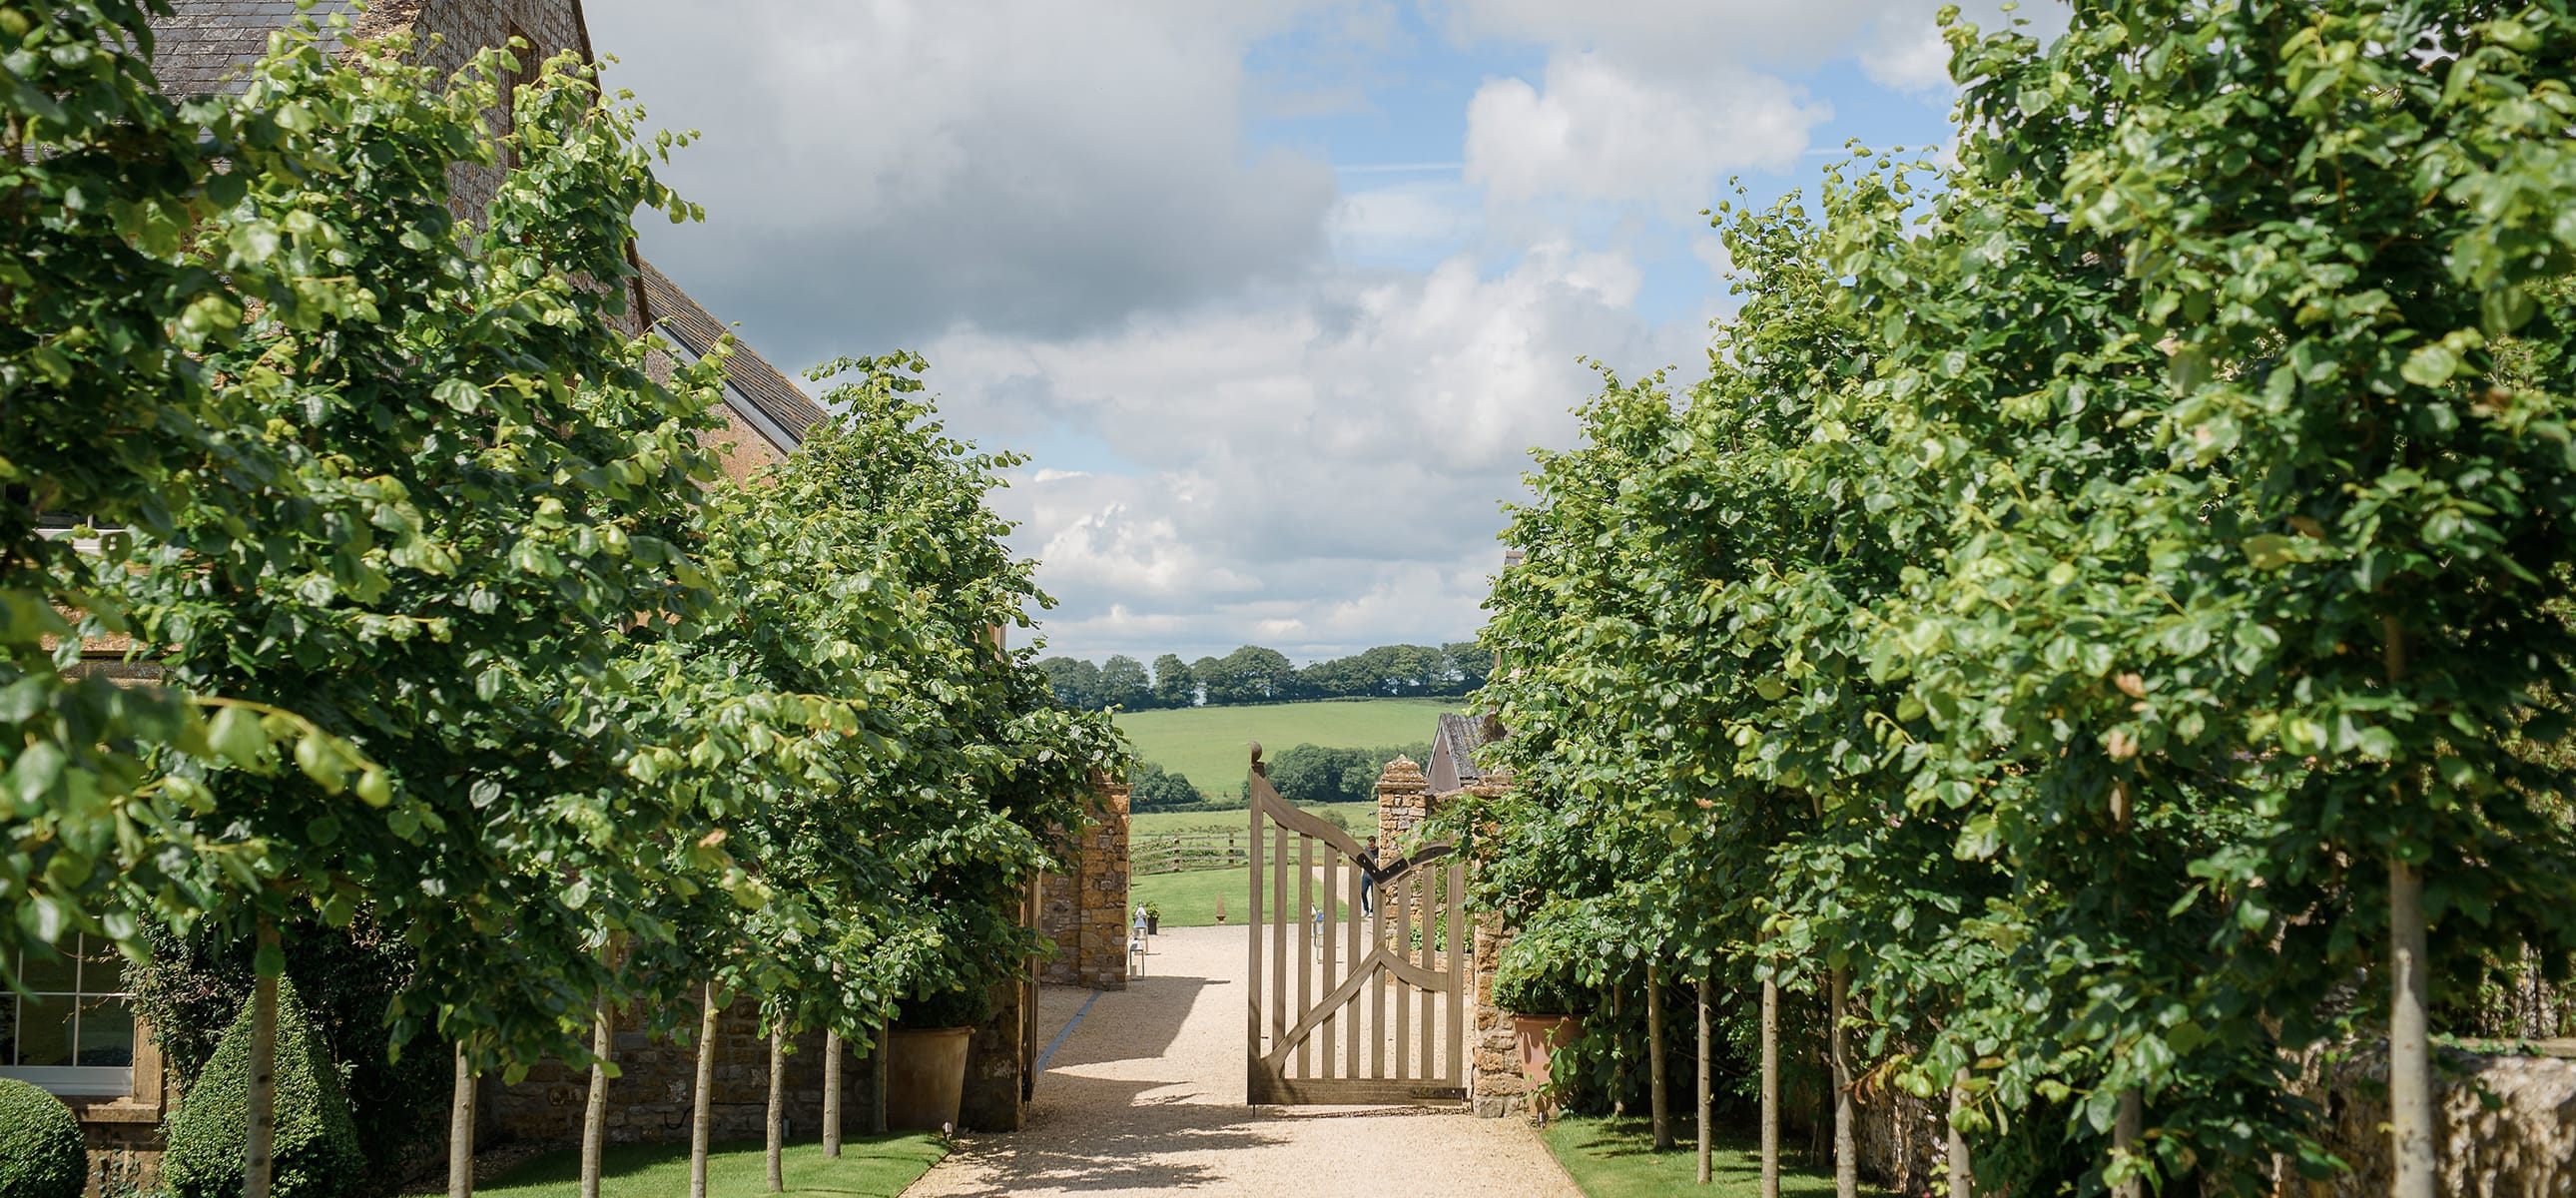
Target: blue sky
1276, 294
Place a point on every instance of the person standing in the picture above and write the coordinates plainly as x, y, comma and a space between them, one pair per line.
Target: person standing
1367, 861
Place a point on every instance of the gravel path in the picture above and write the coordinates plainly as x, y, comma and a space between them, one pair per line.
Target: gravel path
1146, 1096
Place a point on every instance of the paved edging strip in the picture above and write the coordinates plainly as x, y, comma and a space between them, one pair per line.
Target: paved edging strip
1075, 1022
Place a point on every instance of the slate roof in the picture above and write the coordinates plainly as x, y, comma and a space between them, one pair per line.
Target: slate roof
203, 41
680, 318
1453, 753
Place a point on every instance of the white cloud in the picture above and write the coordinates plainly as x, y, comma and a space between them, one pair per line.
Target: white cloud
1297, 391
900, 165
1592, 130
1334, 457
1402, 220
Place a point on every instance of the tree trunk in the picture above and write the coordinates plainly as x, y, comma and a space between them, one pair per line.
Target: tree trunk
1963, 1175
1846, 1119
594, 1116
777, 1107
460, 1129
1706, 1063
2410, 1071
2128, 1123
1770, 1088
258, 1157
702, 1115
1662, 1098
877, 1063
831, 1095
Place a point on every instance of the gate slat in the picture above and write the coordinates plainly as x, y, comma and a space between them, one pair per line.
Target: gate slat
1403, 990
1330, 935
1377, 984
1306, 935
1351, 938
1252, 934
1430, 943
1279, 933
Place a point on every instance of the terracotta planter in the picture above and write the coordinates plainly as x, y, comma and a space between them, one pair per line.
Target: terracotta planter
925, 1077
1536, 1035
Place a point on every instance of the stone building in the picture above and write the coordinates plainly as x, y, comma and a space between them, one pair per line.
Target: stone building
75, 1033
1453, 767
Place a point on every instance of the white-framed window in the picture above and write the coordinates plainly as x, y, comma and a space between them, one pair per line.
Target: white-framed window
73, 1033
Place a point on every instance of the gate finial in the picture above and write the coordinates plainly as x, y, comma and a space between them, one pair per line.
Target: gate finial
1257, 767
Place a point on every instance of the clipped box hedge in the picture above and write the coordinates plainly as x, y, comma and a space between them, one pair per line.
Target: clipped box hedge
316, 1143
42, 1154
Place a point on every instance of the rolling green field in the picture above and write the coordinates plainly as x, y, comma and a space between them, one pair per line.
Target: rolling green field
1210, 744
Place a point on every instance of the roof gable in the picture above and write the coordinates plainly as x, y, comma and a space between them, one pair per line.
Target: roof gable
1453, 753
748, 377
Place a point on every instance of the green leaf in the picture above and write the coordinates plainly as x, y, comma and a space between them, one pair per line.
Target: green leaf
236, 735
2430, 365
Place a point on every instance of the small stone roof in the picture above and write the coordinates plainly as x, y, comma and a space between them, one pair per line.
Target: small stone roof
1453, 753
682, 320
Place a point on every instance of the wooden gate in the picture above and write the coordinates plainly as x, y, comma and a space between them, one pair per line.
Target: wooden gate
1347, 1007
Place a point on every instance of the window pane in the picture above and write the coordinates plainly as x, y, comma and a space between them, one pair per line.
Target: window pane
102, 968
8, 1029
57, 975
106, 1033
44, 1032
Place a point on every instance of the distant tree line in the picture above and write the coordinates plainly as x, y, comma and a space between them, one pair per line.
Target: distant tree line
1253, 674
1306, 775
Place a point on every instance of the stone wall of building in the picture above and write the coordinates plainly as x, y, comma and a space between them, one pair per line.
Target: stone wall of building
1085, 911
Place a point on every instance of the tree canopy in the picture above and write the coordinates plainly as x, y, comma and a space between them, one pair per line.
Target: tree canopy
2105, 589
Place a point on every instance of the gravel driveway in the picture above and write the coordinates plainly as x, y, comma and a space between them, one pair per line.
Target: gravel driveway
1146, 1096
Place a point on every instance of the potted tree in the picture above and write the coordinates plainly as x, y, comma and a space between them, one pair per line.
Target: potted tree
1538, 985
926, 1057
1153, 918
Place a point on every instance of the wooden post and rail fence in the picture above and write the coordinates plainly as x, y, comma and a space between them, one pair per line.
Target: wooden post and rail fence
1182, 852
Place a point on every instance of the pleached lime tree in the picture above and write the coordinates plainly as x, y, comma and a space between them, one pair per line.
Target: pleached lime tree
585, 728
109, 420
2147, 612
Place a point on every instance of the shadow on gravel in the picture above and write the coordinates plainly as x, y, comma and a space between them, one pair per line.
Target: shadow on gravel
1077, 1149
1148, 1014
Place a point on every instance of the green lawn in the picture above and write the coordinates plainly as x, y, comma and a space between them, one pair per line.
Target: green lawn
1615, 1158
1189, 900
1211, 744
870, 1167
